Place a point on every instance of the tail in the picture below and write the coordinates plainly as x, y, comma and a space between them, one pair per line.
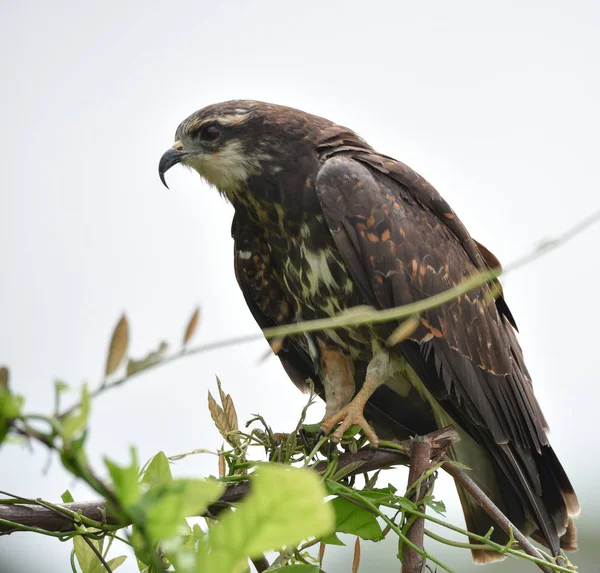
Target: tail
530, 488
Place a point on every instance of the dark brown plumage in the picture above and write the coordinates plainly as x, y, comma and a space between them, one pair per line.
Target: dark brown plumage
324, 223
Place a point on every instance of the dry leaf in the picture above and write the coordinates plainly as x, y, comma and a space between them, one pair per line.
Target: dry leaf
218, 416
118, 346
191, 327
221, 466
150, 359
4, 377
228, 408
231, 413
356, 560
403, 331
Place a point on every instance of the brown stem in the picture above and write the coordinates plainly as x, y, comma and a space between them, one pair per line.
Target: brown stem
492, 510
420, 461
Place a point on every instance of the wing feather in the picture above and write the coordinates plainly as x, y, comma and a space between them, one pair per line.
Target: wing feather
403, 243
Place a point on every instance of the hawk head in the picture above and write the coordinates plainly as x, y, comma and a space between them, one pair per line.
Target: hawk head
227, 143
250, 148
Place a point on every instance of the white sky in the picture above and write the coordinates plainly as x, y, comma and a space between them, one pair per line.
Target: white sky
496, 106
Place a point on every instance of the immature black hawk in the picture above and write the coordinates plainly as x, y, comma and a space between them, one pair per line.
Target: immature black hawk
324, 223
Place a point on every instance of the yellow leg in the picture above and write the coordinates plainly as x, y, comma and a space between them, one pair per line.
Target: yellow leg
337, 378
352, 413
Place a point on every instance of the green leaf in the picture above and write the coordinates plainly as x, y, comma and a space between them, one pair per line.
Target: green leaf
298, 568
332, 539
311, 428
140, 548
285, 506
77, 421
85, 556
198, 494
67, 497
379, 495
351, 432
350, 518
158, 471
113, 563
437, 505
60, 386
88, 560
164, 507
10, 404
125, 481
183, 557
162, 513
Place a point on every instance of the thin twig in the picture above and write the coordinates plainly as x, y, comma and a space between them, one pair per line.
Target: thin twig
357, 317
98, 554
492, 509
367, 504
504, 549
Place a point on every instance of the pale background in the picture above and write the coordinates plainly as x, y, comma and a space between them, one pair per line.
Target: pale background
497, 105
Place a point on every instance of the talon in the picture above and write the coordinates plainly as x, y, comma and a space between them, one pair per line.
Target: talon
350, 415
318, 437
304, 438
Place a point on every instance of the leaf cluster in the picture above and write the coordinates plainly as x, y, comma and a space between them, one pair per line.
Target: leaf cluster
300, 497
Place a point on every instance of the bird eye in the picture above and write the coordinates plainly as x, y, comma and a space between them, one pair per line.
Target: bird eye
210, 133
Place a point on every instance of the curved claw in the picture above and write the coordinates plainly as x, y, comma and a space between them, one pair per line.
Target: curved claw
304, 438
318, 437
350, 415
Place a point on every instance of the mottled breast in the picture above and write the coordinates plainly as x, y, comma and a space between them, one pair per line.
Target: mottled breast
316, 278
294, 272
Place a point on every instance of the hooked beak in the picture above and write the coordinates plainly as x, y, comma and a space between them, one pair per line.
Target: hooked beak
170, 157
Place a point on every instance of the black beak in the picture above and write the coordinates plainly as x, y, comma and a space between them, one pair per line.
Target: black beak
170, 157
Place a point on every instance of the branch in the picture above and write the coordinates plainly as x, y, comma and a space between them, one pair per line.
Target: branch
420, 460
57, 520
30, 515
492, 510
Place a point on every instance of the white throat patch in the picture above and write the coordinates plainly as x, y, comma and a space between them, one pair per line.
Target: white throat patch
227, 169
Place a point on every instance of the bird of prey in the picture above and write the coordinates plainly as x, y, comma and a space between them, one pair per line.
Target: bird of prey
324, 223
